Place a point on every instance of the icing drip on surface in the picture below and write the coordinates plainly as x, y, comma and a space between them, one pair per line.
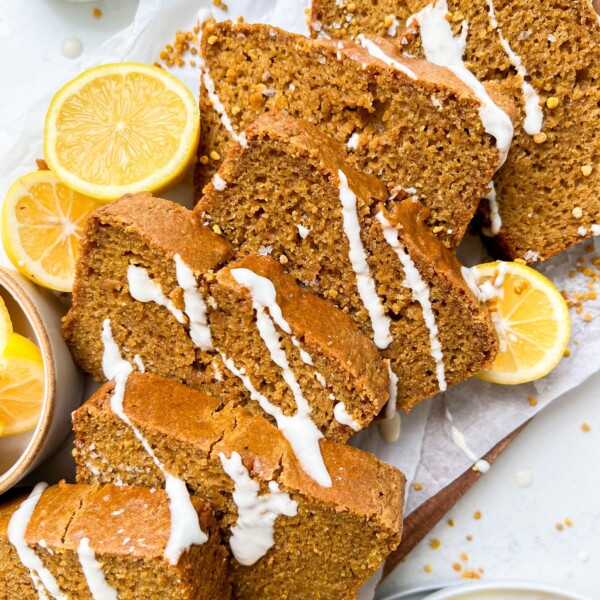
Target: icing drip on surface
495, 219
218, 182
144, 289
43, 580
389, 429
390, 407
300, 430
443, 49
460, 442
303, 231
253, 534
358, 258
195, 307
534, 115
185, 527
420, 292
342, 416
353, 140
376, 52
94, 576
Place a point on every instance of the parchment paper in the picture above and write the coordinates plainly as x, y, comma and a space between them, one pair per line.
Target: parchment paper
483, 412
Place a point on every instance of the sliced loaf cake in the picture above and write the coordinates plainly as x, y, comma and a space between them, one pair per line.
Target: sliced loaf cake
544, 55
148, 280
289, 192
415, 125
86, 541
290, 537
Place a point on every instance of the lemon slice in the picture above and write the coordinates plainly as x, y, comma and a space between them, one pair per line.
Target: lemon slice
531, 318
21, 387
19, 346
42, 222
121, 128
6, 327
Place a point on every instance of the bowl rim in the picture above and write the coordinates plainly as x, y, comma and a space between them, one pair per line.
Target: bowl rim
19, 469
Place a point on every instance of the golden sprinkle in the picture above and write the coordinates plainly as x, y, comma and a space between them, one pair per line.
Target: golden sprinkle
283, 259
585, 427
438, 229
587, 317
567, 352
215, 155
559, 526
540, 138
577, 212
435, 544
236, 110
212, 39
552, 102
568, 522
428, 568
97, 13
387, 22
532, 401
470, 575
451, 522
464, 556
477, 515
217, 229
417, 486
204, 160
586, 170
457, 567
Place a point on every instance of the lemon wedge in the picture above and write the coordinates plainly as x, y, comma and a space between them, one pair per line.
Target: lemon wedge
6, 327
21, 386
121, 128
531, 318
42, 222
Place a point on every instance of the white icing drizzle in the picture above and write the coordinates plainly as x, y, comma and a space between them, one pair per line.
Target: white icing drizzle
217, 105
341, 416
443, 49
253, 533
534, 115
144, 289
303, 231
195, 307
393, 28
300, 430
185, 527
390, 407
376, 52
94, 576
471, 281
367, 291
420, 292
595, 229
139, 363
218, 182
353, 140
389, 429
41, 577
460, 442
495, 218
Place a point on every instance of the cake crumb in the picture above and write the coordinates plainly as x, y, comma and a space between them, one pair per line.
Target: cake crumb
217, 229
283, 259
552, 102
567, 352
204, 159
450, 522
428, 568
540, 138
464, 556
435, 544
559, 526
577, 212
532, 401
477, 515
586, 170
568, 522
585, 428
470, 575
457, 567
97, 13
469, 538
417, 486
215, 155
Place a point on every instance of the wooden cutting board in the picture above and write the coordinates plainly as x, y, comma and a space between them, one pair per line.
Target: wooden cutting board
421, 521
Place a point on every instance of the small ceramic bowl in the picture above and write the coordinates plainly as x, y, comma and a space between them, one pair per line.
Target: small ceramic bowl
504, 590
36, 313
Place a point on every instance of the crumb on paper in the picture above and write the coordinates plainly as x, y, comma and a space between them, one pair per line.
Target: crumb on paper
97, 13
477, 515
532, 401
435, 544
585, 428
450, 522
417, 486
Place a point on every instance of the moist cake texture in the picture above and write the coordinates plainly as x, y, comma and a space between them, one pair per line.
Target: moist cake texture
284, 194
325, 541
413, 124
146, 264
543, 54
124, 530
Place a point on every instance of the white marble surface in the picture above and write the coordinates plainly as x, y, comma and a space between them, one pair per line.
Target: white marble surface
516, 536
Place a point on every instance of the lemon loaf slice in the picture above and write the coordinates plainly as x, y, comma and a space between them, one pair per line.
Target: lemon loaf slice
290, 537
415, 125
87, 541
145, 278
290, 192
543, 54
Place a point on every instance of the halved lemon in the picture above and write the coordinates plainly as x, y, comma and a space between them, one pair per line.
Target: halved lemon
6, 327
42, 222
121, 128
532, 321
21, 386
